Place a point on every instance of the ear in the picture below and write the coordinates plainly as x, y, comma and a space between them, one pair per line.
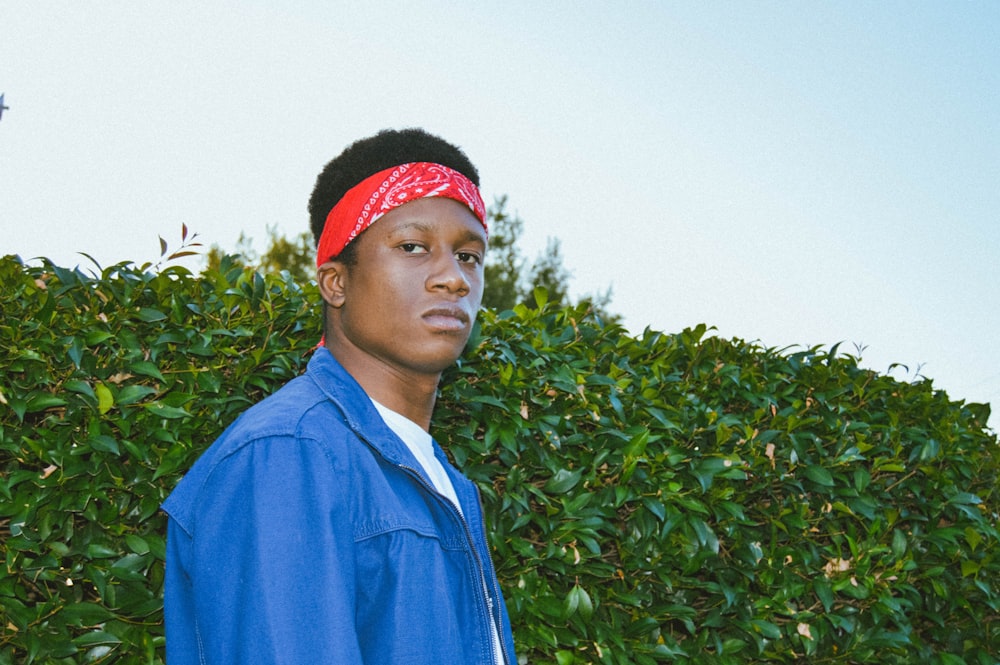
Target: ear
331, 277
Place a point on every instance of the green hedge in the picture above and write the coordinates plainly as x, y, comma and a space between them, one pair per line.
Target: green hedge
655, 498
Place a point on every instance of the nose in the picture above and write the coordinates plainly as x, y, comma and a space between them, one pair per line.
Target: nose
449, 275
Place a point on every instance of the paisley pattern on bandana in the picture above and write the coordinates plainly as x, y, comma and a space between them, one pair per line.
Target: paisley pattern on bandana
380, 193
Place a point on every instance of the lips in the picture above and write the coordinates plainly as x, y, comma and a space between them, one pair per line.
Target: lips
447, 318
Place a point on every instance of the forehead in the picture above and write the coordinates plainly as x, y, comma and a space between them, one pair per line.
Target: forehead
441, 217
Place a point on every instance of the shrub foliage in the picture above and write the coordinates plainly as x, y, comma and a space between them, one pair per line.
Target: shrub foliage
654, 498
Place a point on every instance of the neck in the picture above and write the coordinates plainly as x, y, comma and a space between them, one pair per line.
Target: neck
412, 395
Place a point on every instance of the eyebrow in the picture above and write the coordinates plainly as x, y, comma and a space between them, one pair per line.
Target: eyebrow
424, 227
419, 226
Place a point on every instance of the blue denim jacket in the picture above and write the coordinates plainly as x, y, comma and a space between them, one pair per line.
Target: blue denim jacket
308, 533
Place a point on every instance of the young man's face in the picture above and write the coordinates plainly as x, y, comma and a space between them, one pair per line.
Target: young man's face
411, 298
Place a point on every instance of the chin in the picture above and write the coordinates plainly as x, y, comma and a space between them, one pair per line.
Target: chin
440, 363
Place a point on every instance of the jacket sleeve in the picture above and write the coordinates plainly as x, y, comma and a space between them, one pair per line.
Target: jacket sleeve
272, 562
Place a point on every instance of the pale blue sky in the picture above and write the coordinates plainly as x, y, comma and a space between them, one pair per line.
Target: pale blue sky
789, 173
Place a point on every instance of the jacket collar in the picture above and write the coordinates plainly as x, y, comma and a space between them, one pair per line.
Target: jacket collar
356, 406
361, 417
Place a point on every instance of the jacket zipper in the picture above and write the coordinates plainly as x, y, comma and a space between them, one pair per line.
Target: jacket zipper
476, 560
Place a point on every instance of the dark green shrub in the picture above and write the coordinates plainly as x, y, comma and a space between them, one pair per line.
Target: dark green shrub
655, 498
701, 500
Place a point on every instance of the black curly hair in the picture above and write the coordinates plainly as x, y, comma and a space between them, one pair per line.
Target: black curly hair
376, 153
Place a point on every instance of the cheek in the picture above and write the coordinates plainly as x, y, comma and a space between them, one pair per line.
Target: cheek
390, 299
398, 288
477, 284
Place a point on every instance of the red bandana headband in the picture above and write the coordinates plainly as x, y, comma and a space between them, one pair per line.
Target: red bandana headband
380, 193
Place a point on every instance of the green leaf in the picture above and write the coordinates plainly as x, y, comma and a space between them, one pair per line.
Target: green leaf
85, 614
564, 657
563, 481
134, 393
95, 337
898, 543
150, 315
96, 637
965, 498
105, 400
970, 568
973, 537
951, 659
578, 600
97, 551
81, 387
819, 475
164, 411
706, 537
44, 401
655, 507
824, 591
769, 630
146, 368
486, 399
137, 544
104, 443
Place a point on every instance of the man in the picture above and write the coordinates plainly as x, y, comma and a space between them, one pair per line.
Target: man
324, 525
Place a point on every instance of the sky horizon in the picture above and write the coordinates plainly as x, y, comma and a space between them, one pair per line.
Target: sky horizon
789, 176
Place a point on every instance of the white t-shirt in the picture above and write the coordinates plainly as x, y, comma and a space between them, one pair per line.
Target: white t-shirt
420, 444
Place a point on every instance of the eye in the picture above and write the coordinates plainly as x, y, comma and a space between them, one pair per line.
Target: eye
412, 248
469, 257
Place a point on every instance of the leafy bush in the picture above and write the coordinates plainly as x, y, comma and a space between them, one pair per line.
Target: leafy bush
654, 498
